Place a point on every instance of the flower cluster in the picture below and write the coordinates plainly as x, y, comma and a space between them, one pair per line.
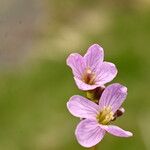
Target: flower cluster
102, 105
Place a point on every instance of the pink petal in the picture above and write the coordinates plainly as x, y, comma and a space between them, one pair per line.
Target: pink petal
117, 131
113, 96
94, 56
77, 64
89, 133
105, 73
83, 86
82, 107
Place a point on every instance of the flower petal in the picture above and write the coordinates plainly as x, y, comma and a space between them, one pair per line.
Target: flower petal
113, 96
89, 133
94, 56
105, 73
77, 64
82, 107
83, 86
117, 131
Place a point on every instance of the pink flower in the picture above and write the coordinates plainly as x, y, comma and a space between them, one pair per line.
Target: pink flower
91, 130
90, 71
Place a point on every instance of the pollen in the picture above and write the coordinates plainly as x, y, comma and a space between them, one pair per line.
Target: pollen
105, 116
88, 76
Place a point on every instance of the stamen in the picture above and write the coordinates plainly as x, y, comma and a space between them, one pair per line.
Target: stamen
105, 116
88, 76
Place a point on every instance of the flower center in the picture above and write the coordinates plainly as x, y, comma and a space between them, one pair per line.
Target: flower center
105, 116
88, 76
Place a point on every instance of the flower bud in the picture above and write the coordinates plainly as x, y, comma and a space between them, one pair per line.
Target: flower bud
119, 113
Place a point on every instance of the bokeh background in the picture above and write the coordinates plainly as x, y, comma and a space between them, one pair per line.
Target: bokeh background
35, 39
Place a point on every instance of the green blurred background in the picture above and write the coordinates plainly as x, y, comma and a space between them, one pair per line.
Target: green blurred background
35, 39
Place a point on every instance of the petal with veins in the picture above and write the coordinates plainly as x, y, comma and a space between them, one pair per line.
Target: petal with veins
82, 107
117, 131
89, 133
105, 73
113, 96
94, 56
76, 63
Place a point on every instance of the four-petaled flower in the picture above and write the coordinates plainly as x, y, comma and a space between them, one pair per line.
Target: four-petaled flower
97, 117
90, 71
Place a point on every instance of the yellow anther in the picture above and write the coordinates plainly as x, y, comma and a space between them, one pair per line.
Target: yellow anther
105, 116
